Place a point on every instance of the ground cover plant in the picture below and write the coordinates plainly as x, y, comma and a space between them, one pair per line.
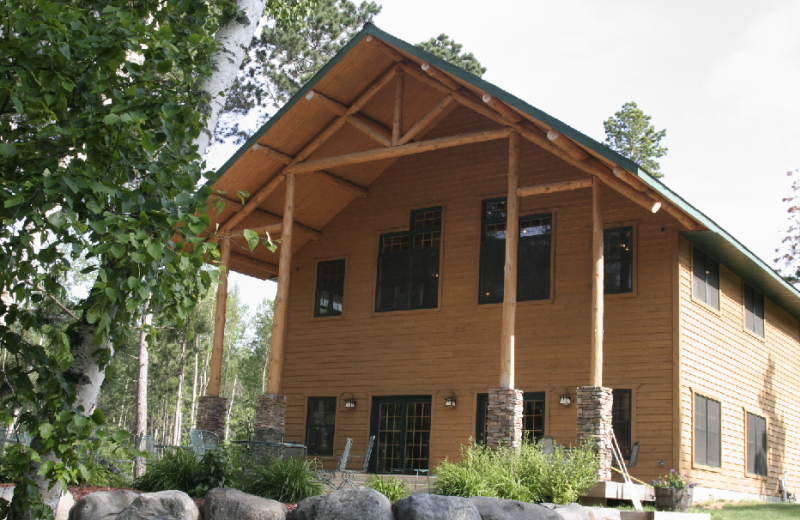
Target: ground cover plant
751, 511
528, 475
288, 481
392, 488
185, 471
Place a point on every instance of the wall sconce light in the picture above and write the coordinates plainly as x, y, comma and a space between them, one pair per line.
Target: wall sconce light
450, 402
350, 403
565, 399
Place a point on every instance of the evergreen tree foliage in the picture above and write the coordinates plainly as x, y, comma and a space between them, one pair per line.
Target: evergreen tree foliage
283, 58
630, 133
447, 49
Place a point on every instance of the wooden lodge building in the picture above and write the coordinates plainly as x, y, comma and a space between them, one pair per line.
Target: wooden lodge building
457, 264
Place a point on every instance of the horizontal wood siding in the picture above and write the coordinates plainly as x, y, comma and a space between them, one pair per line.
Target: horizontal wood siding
455, 348
723, 361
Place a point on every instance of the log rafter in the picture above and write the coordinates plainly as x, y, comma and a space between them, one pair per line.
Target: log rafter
310, 233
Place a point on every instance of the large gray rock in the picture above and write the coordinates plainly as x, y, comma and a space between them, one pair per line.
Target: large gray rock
500, 509
603, 513
64, 507
102, 505
360, 503
422, 506
573, 511
164, 505
227, 504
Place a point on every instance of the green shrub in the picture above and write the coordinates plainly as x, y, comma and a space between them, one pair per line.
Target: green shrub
528, 475
393, 488
287, 481
183, 470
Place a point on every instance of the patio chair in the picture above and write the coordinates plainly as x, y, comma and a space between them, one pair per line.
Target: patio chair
327, 476
348, 474
634, 458
203, 440
548, 445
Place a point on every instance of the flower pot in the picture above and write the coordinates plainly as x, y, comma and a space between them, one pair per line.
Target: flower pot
673, 499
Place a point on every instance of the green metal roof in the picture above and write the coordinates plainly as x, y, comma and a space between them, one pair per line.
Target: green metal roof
714, 240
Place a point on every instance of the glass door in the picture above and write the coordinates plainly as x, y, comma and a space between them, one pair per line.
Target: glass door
402, 427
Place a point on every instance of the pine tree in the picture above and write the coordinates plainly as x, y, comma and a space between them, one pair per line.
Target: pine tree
447, 49
630, 133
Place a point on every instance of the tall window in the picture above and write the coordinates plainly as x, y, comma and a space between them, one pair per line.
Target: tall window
533, 255
756, 445
618, 260
753, 310
320, 425
707, 432
408, 264
705, 281
621, 413
330, 288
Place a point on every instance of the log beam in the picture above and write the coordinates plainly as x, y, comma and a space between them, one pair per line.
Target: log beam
251, 265
540, 189
371, 128
358, 191
397, 120
501, 107
327, 103
274, 154
219, 319
278, 340
312, 234
399, 151
510, 272
566, 144
428, 120
271, 229
253, 203
598, 286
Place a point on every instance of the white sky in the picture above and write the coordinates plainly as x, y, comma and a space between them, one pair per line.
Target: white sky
723, 77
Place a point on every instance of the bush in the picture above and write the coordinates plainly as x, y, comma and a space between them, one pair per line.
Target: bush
393, 488
183, 470
528, 475
287, 481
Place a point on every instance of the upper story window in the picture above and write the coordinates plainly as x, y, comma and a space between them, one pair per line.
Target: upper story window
753, 310
533, 255
330, 288
618, 260
705, 278
707, 431
408, 264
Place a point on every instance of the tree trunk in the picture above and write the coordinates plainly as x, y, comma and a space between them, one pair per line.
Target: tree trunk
176, 432
194, 390
141, 390
264, 371
204, 383
230, 409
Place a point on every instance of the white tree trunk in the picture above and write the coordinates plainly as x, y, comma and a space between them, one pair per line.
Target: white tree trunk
234, 40
141, 389
194, 391
230, 408
176, 432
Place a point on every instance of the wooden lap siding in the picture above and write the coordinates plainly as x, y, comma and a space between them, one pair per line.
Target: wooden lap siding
455, 348
723, 361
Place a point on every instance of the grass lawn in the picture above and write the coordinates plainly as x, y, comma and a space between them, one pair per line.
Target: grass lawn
754, 511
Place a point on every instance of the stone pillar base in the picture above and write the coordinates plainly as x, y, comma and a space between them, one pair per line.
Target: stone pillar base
504, 418
594, 423
211, 414
270, 412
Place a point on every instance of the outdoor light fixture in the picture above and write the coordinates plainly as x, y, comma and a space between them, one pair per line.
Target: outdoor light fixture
565, 398
450, 402
350, 403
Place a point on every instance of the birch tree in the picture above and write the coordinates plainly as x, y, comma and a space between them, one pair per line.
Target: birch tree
105, 112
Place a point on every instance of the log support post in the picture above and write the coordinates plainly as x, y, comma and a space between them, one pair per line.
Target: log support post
594, 402
504, 421
271, 407
211, 410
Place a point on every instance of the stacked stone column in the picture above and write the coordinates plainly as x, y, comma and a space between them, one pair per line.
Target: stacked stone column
270, 412
504, 418
211, 414
594, 423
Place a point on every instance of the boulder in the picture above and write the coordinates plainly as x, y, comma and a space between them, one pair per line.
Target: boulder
360, 503
64, 507
164, 505
422, 506
102, 505
603, 513
500, 509
573, 511
227, 503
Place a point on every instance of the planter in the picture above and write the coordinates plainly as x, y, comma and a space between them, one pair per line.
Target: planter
673, 499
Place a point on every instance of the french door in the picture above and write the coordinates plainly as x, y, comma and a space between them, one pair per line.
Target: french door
402, 428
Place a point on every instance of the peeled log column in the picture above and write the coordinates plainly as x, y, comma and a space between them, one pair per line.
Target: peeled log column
281, 300
219, 319
510, 276
596, 374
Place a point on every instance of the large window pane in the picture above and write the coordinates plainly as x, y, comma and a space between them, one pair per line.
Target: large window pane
707, 431
330, 288
424, 279
320, 425
493, 258
756, 445
705, 278
621, 413
392, 282
753, 310
618, 260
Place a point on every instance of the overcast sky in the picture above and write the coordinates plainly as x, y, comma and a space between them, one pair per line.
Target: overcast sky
723, 77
